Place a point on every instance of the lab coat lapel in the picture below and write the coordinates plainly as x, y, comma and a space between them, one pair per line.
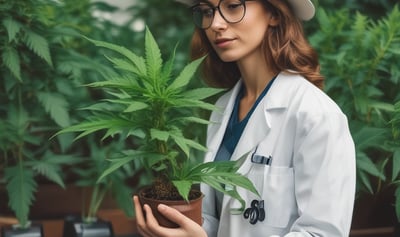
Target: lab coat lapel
257, 128
219, 123
261, 121
253, 133
260, 124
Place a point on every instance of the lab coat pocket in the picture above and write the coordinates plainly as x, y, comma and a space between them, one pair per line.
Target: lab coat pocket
276, 187
278, 193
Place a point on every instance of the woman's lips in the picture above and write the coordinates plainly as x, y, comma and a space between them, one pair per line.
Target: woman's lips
223, 42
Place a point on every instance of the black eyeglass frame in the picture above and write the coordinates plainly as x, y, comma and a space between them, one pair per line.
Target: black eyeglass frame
220, 12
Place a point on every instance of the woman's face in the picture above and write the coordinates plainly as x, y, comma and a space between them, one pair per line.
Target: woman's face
242, 40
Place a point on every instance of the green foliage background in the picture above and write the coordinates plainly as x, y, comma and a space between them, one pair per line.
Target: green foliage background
44, 61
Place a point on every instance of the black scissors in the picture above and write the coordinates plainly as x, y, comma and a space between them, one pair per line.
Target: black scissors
256, 212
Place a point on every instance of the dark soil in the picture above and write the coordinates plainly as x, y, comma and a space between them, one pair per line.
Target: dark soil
162, 189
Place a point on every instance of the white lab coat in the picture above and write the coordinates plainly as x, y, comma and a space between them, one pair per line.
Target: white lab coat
309, 188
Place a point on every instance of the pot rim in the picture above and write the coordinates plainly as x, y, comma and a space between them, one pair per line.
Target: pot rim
166, 201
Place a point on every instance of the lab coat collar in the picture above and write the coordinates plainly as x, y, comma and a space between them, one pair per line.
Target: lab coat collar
261, 122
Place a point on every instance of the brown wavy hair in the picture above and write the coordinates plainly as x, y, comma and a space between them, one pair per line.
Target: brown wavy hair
285, 49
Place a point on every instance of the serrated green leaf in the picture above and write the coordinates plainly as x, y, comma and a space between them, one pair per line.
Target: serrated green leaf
193, 104
38, 45
57, 106
185, 143
153, 57
102, 106
124, 64
137, 61
195, 120
89, 127
50, 171
382, 106
169, 65
18, 116
365, 163
159, 135
202, 93
129, 156
12, 61
368, 136
365, 181
13, 27
186, 74
21, 187
183, 187
181, 142
135, 106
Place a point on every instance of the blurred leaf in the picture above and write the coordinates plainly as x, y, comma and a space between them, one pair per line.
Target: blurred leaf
39, 45
56, 106
365, 164
21, 186
11, 60
153, 57
13, 27
396, 164
138, 62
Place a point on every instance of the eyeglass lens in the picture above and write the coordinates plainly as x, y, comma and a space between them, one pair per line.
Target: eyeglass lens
232, 11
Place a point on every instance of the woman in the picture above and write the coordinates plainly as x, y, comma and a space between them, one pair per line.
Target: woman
301, 156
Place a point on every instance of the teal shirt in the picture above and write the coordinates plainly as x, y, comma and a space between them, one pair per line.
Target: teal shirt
235, 127
233, 133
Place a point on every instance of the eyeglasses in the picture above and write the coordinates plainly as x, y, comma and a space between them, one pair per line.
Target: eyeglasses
232, 11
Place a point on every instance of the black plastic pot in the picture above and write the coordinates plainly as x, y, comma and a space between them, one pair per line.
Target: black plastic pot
75, 227
35, 230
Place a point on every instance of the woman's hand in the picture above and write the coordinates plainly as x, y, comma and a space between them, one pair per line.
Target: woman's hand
149, 227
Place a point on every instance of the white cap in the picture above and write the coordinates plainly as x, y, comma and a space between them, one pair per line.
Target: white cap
304, 9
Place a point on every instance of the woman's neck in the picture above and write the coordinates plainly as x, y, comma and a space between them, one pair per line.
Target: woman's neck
255, 75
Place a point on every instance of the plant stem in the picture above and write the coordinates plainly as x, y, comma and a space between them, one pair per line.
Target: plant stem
97, 198
22, 217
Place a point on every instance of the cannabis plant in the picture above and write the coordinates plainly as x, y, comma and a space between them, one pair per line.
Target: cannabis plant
29, 104
359, 58
153, 109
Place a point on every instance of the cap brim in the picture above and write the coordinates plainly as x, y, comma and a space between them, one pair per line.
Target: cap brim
304, 9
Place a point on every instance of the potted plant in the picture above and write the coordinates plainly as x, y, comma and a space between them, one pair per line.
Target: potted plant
153, 110
91, 167
29, 109
21, 169
30, 106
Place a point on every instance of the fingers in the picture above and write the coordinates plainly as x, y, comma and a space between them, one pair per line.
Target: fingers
187, 227
138, 211
140, 220
148, 226
173, 215
146, 222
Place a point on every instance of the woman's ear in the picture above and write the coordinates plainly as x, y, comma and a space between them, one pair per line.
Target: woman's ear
274, 20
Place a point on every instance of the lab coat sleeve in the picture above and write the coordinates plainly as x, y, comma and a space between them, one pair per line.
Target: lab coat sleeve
324, 169
210, 220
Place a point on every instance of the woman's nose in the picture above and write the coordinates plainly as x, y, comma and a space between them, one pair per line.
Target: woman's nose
218, 22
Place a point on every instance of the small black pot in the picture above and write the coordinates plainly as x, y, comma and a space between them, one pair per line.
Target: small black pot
75, 227
35, 230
